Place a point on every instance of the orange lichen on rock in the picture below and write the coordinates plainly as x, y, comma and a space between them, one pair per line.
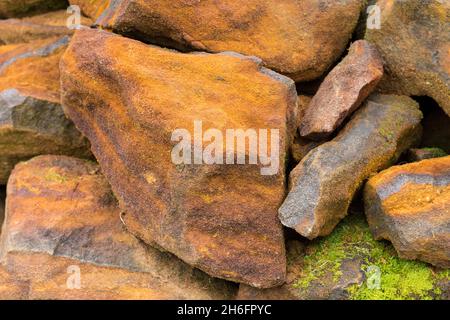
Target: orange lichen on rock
91, 8
410, 206
129, 98
62, 225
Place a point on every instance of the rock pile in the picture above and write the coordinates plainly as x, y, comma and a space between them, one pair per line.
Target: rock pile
165, 152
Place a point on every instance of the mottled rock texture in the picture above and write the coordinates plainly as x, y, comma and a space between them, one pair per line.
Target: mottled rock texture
343, 91
92, 8
409, 205
414, 40
19, 8
324, 183
51, 24
219, 218
425, 153
32, 121
350, 264
62, 217
300, 39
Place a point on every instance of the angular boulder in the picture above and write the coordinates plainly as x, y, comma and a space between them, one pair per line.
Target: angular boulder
343, 91
300, 39
92, 8
409, 205
413, 39
47, 25
324, 183
351, 265
20, 8
131, 100
32, 121
63, 223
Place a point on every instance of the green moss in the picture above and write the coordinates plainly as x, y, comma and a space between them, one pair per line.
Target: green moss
435, 152
400, 279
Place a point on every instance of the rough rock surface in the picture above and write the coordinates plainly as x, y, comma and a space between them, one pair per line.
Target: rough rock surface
409, 205
61, 213
51, 24
324, 183
414, 40
32, 121
2, 206
219, 218
300, 39
425, 153
343, 91
18, 8
345, 265
92, 8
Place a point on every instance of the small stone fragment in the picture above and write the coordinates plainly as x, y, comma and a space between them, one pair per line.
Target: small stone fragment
62, 219
324, 183
409, 205
415, 155
343, 91
300, 39
32, 121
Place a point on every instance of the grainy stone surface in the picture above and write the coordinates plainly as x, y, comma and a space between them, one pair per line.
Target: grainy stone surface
19, 8
300, 39
219, 218
92, 8
62, 217
414, 40
410, 206
32, 121
343, 91
324, 183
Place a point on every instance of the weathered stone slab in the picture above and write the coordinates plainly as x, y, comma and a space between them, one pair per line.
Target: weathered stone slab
343, 91
300, 39
219, 218
324, 183
32, 121
409, 205
414, 40
51, 24
20, 8
62, 218
351, 265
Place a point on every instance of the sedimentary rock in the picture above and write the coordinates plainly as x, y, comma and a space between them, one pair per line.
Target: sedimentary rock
413, 39
19, 8
91, 8
409, 205
221, 218
350, 264
342, 91
32, 121
301, 39
323, 184
425, 153
62, 221
52, 24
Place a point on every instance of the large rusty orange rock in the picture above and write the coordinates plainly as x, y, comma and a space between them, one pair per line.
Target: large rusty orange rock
409, 205
32, 121
129, 98
51, 24
414, 40
343, 91
325, 182
62, 220
91, 8
20, 8
300, 39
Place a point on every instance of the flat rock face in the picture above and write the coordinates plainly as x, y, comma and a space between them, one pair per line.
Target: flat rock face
324, 183
62, 216
410, 206
350, 264
19, 8
300, 39
342, 91
219, 218
51, 24
414, 40
92, 8
32, 121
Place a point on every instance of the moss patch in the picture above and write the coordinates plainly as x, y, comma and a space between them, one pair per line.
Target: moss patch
399, 279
